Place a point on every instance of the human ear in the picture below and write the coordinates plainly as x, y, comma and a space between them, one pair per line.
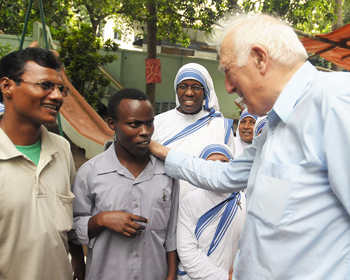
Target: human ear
260, 55
111, 123
6, 87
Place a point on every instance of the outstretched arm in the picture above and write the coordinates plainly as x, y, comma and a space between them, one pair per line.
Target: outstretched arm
158, 150
209, 175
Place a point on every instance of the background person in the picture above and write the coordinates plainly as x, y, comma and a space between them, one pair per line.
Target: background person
125, 208
196, 120
209, 227
245, 131
296, 171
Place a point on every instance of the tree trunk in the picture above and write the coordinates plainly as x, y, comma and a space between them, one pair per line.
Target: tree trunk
151, 45
95, 23
338, 12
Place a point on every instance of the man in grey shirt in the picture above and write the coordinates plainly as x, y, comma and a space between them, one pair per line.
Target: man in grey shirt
117, 189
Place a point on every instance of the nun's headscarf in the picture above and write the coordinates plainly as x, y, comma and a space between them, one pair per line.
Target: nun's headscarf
239, 144
195, 71
216, 148
245, 114
259, 125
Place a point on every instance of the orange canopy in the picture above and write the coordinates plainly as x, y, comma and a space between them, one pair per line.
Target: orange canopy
335, 46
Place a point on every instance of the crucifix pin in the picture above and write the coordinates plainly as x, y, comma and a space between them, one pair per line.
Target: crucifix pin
164, 195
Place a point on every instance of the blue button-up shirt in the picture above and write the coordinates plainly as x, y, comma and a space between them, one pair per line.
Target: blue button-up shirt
298, 183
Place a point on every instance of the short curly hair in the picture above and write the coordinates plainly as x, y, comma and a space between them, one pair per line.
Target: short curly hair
126, 93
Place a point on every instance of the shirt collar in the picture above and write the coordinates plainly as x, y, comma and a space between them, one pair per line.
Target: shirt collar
47, 144
110, 163
290, 95
8, 149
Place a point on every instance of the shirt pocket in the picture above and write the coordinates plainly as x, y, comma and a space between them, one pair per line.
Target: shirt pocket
160, 214
64, 212
275, 193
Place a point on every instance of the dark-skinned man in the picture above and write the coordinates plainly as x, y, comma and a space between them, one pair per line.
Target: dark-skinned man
125, 209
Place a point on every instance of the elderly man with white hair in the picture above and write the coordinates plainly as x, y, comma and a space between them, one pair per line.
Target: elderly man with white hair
297, 170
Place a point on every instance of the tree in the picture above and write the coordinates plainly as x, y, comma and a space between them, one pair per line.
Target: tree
97, 11
79, 54
13, 14
346, 11
312, 16
5, 49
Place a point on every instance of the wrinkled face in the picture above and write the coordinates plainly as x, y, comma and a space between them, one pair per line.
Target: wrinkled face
218, 156
29, 102
244, 80
134, 127
246, 129
191, 100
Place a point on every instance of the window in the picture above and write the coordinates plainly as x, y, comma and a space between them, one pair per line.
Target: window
117, 36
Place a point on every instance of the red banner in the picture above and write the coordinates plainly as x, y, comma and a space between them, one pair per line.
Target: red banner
153, 75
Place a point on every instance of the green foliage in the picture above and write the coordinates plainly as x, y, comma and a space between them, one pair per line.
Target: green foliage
80, 56
320, 61
96, 11
312, 16
175, 17
124, 27
5, 49
13, 14
346, 11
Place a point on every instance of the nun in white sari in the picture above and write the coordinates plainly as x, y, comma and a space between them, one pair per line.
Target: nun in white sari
209, 227
196, 121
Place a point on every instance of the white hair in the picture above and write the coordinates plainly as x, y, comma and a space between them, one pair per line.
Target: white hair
275, 35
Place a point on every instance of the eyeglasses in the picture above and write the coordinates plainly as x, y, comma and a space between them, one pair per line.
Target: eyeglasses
47, 86
184, 87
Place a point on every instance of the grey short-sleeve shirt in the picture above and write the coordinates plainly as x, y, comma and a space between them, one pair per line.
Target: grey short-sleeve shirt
104, 184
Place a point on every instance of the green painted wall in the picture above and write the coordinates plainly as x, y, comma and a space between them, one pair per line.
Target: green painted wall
14, 41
